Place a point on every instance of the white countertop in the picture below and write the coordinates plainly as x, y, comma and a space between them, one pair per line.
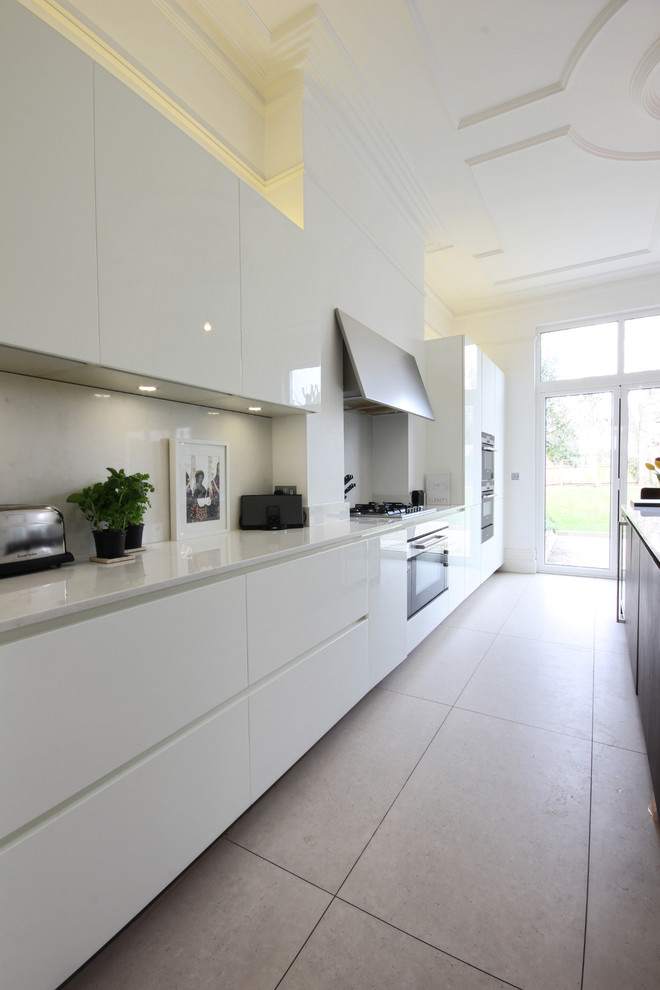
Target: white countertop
28, 599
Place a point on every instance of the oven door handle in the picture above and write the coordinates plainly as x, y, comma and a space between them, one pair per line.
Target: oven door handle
429, 544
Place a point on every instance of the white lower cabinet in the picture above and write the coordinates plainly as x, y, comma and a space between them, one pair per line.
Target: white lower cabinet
457, 544
69, 884
293, 607
492, 551
472, 533
291, 712
387, 604
80, 701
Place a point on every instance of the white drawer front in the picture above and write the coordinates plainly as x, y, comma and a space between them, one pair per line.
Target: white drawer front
293, 607
291, 713
73, 883
77, 702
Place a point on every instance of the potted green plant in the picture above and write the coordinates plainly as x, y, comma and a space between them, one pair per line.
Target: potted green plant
112, 505
133, 491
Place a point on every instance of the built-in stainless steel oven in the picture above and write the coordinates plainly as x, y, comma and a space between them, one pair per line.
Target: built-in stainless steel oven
487, 514
428, 564
487, 460
487, 486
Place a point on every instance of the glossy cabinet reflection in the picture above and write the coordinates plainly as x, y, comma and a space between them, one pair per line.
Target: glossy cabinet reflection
48, 300
167, 247
280, 306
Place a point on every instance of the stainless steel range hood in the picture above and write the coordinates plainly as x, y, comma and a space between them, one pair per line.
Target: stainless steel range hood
379, 376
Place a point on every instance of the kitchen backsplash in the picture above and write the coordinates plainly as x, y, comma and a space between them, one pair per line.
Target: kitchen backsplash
56, 438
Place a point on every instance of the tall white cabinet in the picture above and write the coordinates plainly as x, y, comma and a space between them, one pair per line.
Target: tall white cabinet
48, 298
167, 215
467, 393
279, 306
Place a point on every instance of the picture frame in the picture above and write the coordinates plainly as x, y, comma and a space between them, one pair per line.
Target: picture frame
199, 488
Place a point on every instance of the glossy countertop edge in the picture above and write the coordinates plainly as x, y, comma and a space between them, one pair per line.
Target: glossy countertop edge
647, 523
26, 600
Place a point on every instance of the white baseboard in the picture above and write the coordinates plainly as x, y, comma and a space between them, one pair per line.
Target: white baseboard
519, 561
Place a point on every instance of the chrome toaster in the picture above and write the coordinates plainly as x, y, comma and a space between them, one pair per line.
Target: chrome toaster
31, 538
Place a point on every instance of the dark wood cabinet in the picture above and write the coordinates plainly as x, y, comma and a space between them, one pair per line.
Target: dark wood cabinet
631, 546
648, 658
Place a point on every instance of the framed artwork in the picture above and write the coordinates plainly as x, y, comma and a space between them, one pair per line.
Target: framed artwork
199, 488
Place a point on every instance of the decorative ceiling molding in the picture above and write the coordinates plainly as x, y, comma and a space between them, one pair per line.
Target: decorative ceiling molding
645, 82
245, 80
577, 139
554, 88
512, 149
339, 93
578, 266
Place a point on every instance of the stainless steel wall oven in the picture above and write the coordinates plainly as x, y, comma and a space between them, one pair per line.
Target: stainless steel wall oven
487, 486
428, 565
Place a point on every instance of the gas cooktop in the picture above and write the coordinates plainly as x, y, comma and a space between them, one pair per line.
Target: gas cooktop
384, 509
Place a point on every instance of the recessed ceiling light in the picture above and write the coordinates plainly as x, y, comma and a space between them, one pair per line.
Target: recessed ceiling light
147, 388
207, 327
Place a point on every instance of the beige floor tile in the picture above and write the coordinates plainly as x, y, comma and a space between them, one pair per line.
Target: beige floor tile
232, 920
349, 949
616, 711
549, 685
317, 819
440, 667
484, 854
623, 923
485, 610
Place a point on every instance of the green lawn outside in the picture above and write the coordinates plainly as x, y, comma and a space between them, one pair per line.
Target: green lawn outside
578, 509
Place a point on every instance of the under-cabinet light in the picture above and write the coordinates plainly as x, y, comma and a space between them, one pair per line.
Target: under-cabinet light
147, 388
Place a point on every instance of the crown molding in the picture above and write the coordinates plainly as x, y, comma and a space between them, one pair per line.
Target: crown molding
339, 94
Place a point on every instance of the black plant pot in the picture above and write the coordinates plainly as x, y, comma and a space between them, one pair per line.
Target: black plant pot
110, 543
650, 493
134, 536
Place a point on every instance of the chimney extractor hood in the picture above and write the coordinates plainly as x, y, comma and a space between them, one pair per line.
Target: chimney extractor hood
379, 376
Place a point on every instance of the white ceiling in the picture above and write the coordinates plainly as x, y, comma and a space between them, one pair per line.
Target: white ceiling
528, 130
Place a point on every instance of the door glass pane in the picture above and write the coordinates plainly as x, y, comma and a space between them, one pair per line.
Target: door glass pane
641, 344
578, 449
579, 352
643, 439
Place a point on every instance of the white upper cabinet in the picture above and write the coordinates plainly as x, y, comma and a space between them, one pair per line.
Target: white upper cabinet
167, 215
488, 424
48, 299
280, 306
453, 440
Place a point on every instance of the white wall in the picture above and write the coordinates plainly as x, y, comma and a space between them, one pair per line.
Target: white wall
57, 438
507, 336
371, 264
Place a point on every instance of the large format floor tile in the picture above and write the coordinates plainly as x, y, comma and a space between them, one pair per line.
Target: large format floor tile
440, 667
487, 608
544, 684
617, 720
317, 819
556, 610
349, 949
623, 926
231, 920
484, 854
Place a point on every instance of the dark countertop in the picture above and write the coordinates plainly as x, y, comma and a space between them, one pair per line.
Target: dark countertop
646, 521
